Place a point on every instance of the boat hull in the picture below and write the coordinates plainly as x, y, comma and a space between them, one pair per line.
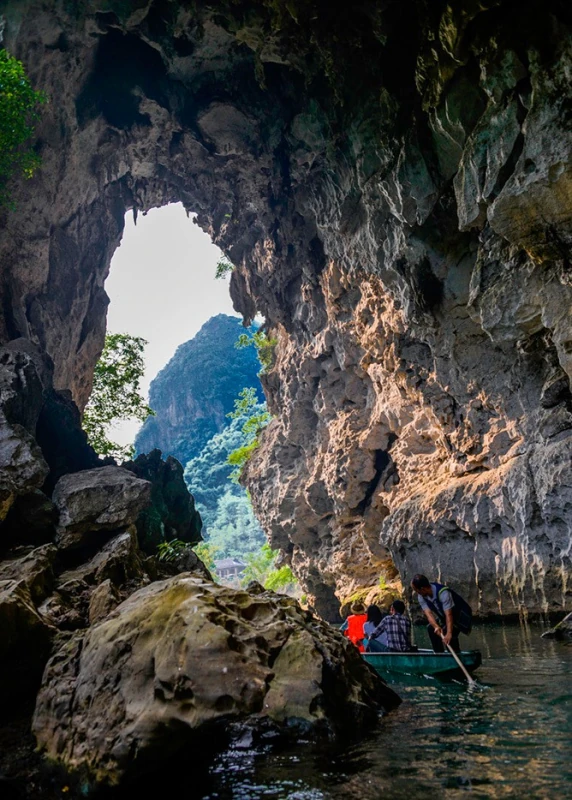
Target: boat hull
423, 662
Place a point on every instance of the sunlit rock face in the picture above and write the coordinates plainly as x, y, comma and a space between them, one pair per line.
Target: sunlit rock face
394, 185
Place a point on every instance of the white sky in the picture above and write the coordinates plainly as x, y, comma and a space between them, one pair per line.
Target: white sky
162, 287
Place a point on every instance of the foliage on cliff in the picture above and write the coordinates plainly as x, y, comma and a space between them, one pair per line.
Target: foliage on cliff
193, 397
19, 111
255, 418
229, 522
263, 344
116, 395
261, 566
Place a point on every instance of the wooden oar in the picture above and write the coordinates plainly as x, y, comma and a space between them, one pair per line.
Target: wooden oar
472, 681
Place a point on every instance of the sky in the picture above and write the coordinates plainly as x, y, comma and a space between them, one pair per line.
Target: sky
162, 287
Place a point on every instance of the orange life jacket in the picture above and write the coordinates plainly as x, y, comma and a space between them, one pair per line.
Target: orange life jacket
354, 631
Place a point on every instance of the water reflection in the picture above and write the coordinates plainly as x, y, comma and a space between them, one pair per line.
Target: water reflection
509, 739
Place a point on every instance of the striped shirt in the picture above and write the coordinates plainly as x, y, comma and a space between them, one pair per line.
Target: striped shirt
398, 631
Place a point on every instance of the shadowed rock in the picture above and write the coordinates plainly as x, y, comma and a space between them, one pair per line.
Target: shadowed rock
96, 501
33, 568
171, 513
185, 654
24, 643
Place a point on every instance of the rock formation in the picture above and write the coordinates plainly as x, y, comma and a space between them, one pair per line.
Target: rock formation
188, 656
192, 397
171, 513
393, 183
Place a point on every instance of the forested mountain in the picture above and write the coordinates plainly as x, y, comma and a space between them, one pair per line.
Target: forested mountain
228, 520
194, 392
192, 397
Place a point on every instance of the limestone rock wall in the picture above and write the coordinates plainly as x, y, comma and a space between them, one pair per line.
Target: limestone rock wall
393, 183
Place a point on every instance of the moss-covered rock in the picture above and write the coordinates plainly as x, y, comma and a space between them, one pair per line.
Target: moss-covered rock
186, 654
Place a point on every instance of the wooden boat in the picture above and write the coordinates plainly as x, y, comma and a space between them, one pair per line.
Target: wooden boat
424, 662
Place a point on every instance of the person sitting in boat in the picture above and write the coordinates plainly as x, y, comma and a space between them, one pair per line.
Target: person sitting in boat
353, 626
374, 617
393, 634
447, 612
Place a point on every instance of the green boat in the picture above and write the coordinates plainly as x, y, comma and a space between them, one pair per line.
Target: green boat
424, 662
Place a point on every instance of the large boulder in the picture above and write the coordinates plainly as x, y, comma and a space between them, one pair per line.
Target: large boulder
172, 513
117, 564
103, 600
186, 655
96, 501
22, 469
31, 520
119, 560
24, 375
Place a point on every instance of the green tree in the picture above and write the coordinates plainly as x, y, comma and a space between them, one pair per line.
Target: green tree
264, 345
233, 528
255, 420
261, 567
223, 267
116, 396
208, 553
19, 111
228, 519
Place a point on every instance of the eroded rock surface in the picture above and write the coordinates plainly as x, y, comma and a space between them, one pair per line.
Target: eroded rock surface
185, 653
393, 183
23, 469
97, 500
171, 512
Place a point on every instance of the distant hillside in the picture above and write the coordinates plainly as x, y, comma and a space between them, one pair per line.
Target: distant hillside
192, 395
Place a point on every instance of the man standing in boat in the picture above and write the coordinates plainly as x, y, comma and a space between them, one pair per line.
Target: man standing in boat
447, 612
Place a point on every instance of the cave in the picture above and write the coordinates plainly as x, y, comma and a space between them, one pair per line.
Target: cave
393, 185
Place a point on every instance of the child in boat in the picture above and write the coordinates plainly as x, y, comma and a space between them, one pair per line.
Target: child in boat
397, 629
353, 626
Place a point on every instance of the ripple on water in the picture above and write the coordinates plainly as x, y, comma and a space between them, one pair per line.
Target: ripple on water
511, 738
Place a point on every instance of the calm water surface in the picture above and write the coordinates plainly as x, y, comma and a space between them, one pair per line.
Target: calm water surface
509, 738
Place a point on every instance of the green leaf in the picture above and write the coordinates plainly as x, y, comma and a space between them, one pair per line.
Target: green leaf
19, 112
264, 345
223, 267
115, 395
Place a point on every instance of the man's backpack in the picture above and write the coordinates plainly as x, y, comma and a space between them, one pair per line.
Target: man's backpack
462, 611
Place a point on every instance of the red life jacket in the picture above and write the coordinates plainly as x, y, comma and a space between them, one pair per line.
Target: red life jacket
354, 631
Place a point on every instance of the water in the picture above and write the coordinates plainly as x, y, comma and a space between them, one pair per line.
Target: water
509, 738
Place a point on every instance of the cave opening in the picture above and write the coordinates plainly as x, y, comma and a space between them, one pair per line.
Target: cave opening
388, 180
166, 286
162, 287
